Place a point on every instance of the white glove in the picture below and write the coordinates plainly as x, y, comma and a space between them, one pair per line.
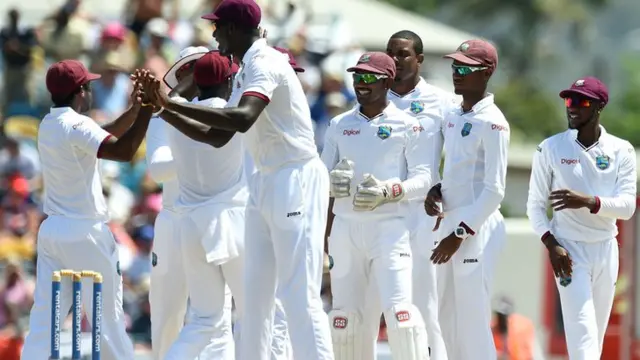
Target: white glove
372, 193
340, 178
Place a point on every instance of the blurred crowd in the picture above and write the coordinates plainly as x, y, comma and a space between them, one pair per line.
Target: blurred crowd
150, 35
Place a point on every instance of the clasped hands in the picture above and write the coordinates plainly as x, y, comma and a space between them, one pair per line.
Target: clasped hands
146, 90
370, 193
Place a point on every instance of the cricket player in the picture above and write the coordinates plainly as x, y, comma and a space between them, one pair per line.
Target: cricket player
375, 154
75, 234
476, 140
588, 176
211, 202
428, 104
168, 295
287, 209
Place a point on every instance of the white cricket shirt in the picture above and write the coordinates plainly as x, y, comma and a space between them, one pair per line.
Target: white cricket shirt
476, 145
206, 174
68, 145
607, 170
160, 162
428, 104
390, 146
283, 134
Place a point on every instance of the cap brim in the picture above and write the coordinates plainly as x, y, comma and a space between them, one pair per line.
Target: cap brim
367, 68
568, 92
463, 59
92, 76
212, 17
170, 77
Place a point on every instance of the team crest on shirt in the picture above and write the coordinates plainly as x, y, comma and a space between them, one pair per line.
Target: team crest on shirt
602, 162
466, 129
417, 107
384, 131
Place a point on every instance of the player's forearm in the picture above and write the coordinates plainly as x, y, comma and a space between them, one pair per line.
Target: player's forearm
618, 207
229, 119
417, 186
197, 131
330, 217
125, 147
537, 214
118, 126
485, 205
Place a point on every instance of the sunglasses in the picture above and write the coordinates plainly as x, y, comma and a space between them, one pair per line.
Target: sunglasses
465, 70
368, 78
577, 102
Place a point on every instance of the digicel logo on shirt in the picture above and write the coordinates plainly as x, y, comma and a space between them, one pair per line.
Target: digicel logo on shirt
351, 132
569, 161
499, 127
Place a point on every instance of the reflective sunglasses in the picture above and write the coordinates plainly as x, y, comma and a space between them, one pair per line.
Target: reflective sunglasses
465, 70
577, 102
368, 78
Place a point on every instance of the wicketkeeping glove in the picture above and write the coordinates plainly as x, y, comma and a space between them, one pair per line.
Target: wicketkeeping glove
340, 178
372, 193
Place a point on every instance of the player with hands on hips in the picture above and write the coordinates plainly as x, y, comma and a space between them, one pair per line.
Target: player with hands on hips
374, 157
588, 177
472, 230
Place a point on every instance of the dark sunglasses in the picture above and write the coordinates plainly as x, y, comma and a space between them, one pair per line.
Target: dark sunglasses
464, 70
577, 102
368, 78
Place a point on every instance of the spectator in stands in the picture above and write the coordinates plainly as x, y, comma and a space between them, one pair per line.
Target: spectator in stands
65, 35
156, 53
16, 295
19, 221
141, 265
17, 43
114, 37
13, 161
111, 93
513, 334
141, 12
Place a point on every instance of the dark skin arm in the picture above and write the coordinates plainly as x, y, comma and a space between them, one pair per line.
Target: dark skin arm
124, 148
238, 119
197, 131
328, 261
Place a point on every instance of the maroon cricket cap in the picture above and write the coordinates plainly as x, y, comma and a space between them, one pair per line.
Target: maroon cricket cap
245, 13
476, 52
213, 69
292, 59
376, 63
66, 76
590, 87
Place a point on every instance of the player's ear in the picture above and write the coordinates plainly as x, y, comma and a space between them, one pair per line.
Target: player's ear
420, 58
388, 82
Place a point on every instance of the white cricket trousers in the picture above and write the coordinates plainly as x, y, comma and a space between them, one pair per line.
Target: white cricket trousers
587, 301
285, 224
371, 272
76, 244
425, 288
464, 289
209, 322
168, 295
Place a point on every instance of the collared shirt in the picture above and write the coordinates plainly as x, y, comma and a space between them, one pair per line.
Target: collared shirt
68, 145
206, 174
283, 132
390, 146
428, 104
606, 169
476, 144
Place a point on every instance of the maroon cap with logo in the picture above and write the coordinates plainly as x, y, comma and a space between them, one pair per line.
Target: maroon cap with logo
213, 69
244, 13
292, 59
66, 76
476, 52
590, 87
376, 63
